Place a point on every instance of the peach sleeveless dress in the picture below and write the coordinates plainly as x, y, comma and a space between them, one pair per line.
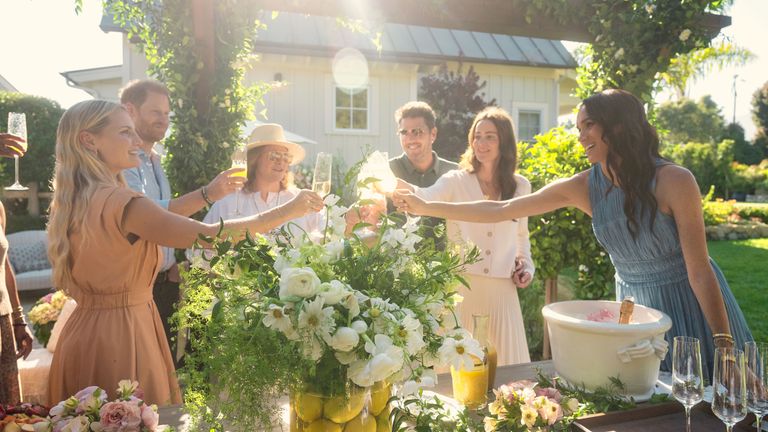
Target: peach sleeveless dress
115, 332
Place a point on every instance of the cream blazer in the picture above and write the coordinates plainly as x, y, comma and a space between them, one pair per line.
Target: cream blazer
499, 243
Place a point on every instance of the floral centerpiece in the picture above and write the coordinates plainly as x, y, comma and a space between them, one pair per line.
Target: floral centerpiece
89, 410
524, 406
323, 317
44, 314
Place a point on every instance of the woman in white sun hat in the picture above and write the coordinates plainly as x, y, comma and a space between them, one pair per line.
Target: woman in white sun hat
269, 181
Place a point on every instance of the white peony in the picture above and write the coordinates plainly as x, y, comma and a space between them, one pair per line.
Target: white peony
345, 339
298, 282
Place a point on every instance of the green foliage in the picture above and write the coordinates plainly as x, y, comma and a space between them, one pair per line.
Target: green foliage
455, 99
743, 151
760, 109
531, 302
749, 179
634, 39
711, 165
203, 137
422, 414
716, 211
686, 120
601, 400
752, 211
564, 238
16, 223
42, 120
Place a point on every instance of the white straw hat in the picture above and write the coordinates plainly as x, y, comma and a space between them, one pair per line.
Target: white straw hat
273, 134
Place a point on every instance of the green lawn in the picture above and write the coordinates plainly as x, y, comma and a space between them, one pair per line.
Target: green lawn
745, 265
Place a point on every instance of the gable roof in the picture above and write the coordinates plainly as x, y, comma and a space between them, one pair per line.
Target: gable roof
7, 86
297, 34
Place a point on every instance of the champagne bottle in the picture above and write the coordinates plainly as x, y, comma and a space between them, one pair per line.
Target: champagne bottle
626, 309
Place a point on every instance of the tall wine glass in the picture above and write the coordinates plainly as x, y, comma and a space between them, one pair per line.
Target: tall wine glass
687, 382
729, 384
321, 180
757, 379
17, 125
242, 163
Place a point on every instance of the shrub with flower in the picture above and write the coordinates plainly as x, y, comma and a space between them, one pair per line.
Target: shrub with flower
319, 312
524, 406
89, 410
44, 314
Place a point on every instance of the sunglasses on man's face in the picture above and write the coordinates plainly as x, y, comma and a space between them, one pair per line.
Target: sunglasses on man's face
414, 132
275, 156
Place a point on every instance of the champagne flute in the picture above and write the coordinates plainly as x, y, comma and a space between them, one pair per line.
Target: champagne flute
687, 382
243, 164
321, 180
729, 384
17, 125
757, 379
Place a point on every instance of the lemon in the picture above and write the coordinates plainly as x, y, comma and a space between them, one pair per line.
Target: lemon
296, 424
341, 410
308, 407
362, 423
379, 397
382, 423
322, 425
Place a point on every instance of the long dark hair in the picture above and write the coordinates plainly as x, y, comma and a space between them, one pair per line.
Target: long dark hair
633, 147
505, 171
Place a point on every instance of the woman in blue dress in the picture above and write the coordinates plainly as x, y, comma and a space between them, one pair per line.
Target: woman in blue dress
646, 212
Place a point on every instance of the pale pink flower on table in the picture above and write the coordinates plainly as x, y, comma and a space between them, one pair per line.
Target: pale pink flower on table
76, 424
490, 424
149, 417
549, 392
121, 416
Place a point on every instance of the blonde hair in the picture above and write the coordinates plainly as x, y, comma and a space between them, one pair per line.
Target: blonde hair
78, 173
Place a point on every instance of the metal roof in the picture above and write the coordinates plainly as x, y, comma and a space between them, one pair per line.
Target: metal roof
298, 34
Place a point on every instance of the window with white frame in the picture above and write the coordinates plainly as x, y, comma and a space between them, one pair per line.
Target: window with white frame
351, 108
528, 124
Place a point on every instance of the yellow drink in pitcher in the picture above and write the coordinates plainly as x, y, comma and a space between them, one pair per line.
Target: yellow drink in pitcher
470, 387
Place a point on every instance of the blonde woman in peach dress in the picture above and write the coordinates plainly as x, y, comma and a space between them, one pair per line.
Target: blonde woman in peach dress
105, 248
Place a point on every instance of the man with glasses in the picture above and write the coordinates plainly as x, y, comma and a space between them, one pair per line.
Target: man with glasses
148, 104
419, 165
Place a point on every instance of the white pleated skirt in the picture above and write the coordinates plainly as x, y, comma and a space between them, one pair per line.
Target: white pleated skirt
498, 298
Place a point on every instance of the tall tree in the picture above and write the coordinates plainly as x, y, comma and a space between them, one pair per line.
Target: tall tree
760, 116
686, 121
700, 62
456, 98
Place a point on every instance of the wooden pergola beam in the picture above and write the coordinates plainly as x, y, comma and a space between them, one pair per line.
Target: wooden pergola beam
488, 16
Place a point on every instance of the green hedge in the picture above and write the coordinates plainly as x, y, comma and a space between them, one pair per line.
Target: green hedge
718, 211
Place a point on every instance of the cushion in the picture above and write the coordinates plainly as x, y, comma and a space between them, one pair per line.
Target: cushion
66, 312
28, 257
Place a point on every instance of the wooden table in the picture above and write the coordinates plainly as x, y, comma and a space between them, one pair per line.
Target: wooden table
174, 415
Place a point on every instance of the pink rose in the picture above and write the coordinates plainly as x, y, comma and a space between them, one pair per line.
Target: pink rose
549, 392
47, 298
149, 417
121, 416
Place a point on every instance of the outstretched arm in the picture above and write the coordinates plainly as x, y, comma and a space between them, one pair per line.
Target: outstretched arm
570, 192
152, 223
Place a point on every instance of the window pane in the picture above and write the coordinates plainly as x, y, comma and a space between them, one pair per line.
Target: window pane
359, 119
529, 125
342, 119
360, 98
342, 98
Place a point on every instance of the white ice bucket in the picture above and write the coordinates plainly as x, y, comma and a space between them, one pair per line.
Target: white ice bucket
587, 353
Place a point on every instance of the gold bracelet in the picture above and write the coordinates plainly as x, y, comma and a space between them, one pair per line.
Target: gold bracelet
722, 336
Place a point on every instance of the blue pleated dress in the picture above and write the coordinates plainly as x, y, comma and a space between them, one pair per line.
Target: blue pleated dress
651, 268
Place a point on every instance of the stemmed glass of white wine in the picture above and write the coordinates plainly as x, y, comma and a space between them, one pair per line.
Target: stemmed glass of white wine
729, 384
757, 379
687, 379
17, 125
321, 179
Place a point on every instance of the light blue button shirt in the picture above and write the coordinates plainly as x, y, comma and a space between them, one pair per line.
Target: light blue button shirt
149, 179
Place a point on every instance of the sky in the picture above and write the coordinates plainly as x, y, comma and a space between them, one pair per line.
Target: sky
50, 38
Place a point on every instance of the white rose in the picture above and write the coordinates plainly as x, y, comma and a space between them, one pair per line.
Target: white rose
298, 281
333, 291
360, 326
332, 251
345, 339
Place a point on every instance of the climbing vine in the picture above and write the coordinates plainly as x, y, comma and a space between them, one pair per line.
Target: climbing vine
203, 136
